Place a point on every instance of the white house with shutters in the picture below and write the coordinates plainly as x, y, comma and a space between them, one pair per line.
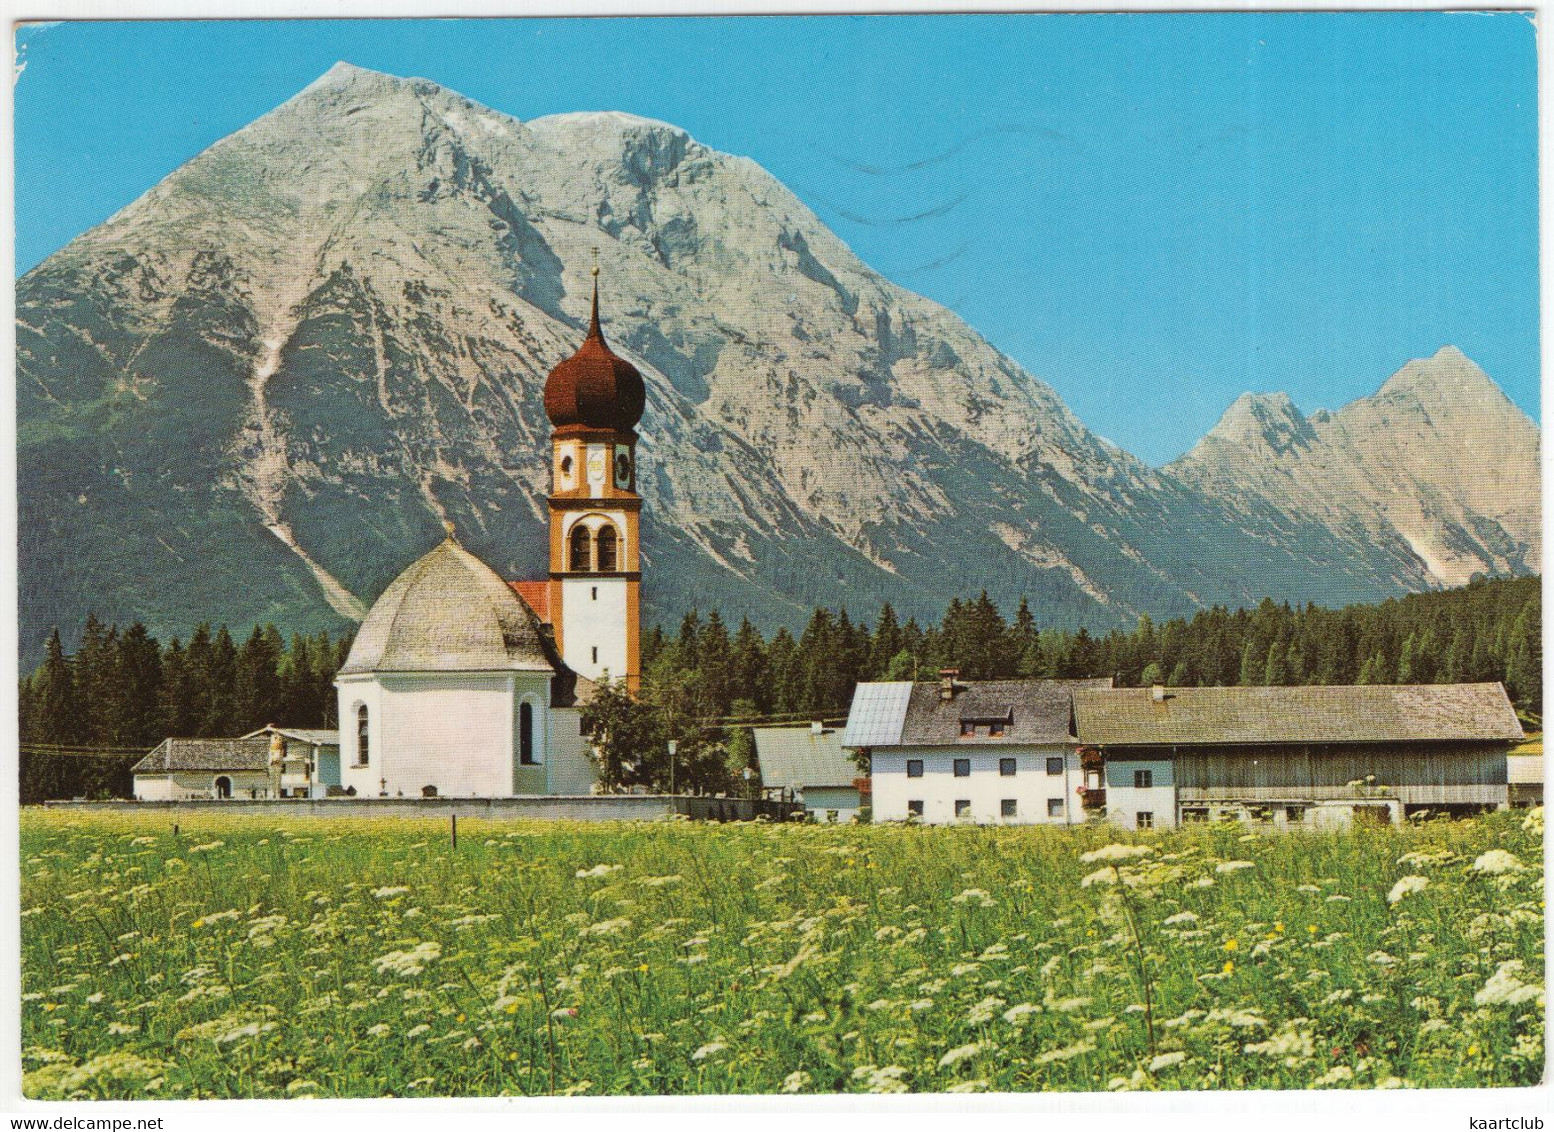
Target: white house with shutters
986, 752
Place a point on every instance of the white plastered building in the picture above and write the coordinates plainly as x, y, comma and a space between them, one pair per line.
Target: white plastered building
453, 688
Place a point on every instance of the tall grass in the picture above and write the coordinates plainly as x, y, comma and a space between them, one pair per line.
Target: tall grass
296, 957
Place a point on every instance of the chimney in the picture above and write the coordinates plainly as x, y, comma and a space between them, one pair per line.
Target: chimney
947, 683
1157, 693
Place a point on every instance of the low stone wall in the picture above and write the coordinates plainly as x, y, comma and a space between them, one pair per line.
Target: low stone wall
582, 807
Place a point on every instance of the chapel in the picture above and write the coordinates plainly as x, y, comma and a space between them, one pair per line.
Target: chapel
463, 684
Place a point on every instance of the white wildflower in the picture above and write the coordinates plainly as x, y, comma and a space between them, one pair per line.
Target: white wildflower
976, 896
389, 892
1496, 861
597, 871
1233, 866
1016, 1015
1115, 853
1166, 1060
1333, 1076
1405, 885
796, 1082
381, 1030
411, 962
1181, 918
980, 1085
1506, 988
706, 1051
982, 1013
961, 1053
1067, 1053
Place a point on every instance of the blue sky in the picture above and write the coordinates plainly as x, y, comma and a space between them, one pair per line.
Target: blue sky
1154, 213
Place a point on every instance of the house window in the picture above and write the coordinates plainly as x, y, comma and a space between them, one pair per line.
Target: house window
1195, 813
607, 546
996, 728
594, 652
915, 808
223, 787
1054, 807
962, 768
361, 735
579, 556
1055, 765
526, 735
967, 729
1295, 815
1006, 768
963, 807
593, 593
831, 816
1007, 808
914, 768
1143, 779
1146, 820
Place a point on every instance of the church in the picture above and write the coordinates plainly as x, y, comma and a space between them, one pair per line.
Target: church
462, 684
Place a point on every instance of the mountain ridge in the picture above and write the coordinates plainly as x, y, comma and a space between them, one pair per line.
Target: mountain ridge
302, 351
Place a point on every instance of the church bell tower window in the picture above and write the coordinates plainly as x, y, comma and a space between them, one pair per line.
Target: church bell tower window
579, 555
606, 549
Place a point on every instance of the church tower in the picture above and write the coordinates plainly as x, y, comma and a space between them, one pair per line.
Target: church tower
594, 400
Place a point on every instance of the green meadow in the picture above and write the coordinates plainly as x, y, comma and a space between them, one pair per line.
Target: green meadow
292, 957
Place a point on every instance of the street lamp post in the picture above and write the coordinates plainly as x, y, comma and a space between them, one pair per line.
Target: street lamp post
672, 747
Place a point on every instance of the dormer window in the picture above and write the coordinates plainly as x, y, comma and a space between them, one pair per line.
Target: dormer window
996, 728
968, 728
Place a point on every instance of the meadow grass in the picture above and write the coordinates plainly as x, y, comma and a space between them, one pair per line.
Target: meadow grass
261, 957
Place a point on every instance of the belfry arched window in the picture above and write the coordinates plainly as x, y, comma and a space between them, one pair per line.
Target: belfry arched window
607, 549
579, 550
526, 735
361, 734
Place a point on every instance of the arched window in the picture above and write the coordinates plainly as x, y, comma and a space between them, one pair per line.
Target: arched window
223, 787
606, 549
526, 735
361, 734
580, 548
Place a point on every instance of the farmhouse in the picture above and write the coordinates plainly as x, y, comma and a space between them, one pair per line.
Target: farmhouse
182, 769
1305, 756
983, 751
808, 763
1017, 751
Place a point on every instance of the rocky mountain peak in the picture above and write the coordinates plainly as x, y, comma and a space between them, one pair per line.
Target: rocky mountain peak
1448, 379
1260, 421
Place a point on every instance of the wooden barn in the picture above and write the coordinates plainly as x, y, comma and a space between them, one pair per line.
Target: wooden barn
1303, 756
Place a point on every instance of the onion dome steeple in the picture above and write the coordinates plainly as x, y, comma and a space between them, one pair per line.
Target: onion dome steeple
595, 388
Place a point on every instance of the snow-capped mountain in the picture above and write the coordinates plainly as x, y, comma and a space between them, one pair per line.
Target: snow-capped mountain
256, 392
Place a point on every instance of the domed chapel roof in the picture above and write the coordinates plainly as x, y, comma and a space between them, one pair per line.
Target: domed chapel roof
595, 388
449, 612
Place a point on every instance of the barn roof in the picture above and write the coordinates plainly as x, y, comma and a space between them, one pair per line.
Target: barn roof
1376, 713
917, 715
206, 754
802, 758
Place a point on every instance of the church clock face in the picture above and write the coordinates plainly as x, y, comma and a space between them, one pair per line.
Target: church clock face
622, 470
596, 459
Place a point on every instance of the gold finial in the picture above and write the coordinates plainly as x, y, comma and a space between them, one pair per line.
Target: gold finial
447, 525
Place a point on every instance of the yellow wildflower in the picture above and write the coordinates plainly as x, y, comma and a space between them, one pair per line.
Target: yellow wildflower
1229, 967
1230, 944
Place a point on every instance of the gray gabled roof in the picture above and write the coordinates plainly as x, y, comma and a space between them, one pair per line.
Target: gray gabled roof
310, 735
801, 758
449, 612
916, 715
206, 755
1374, 713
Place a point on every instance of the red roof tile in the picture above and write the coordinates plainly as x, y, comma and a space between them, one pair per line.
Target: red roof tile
536, 595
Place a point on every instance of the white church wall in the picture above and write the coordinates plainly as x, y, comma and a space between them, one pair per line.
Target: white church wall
451, 731
353, 692
572, 768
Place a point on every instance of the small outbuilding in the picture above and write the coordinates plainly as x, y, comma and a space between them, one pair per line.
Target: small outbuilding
180, 770
309, 759
808, 763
